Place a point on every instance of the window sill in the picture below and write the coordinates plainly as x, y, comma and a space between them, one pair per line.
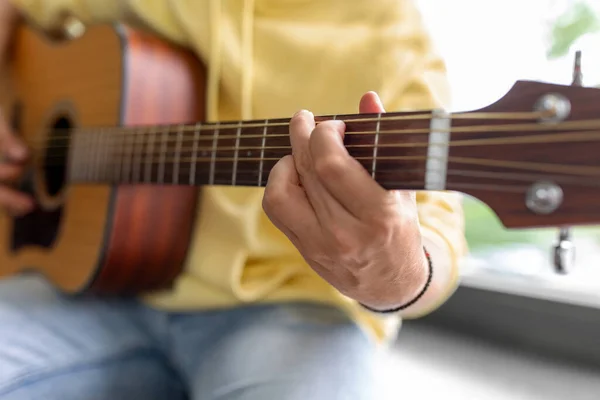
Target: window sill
554, 317
562, 289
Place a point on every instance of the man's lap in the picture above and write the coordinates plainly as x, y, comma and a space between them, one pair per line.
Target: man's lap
54, 348
51, 347
275, 352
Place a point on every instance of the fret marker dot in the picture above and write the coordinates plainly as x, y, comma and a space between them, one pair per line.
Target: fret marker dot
248, 153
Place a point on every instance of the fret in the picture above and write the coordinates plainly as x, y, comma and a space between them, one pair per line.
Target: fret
150, 154
88, 166
375, 146
118, 155
98, 149
73, 157
213, 155
437, 150
372, 139
89, 158
131, 157
194, 158
127, 155
105, 155
123, 152
250, 150
236, 153
129, 139
163, 155
82, 149
177, 154
117, 151
95, 156
138, 144
262, 153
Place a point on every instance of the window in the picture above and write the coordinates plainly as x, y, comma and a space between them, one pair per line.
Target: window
488, 45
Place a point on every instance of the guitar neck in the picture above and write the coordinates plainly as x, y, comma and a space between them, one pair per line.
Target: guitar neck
405, 150
400, 151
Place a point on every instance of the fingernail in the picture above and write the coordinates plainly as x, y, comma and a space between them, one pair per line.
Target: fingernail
377, 98
298, 113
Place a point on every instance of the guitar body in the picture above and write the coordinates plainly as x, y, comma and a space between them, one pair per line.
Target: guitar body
92, 237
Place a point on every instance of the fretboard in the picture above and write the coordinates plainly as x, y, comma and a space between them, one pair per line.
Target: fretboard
400, 151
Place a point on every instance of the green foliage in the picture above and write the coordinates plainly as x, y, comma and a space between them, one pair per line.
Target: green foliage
579, 20
484, 229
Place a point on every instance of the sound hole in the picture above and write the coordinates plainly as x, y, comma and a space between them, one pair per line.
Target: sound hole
55, 162
40, 227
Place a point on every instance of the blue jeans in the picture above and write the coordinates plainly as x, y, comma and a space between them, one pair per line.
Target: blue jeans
56, 348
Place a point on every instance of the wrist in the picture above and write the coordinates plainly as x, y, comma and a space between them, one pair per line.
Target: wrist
415, 285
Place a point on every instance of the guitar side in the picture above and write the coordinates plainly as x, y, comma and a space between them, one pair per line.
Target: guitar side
96, 238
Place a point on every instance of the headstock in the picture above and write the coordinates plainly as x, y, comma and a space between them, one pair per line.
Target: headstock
533, 156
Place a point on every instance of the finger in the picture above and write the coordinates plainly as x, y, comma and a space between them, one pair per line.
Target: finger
11, 145
285, 201
326, 208
301, 126
370, 103
324, 205
15, 202
341, 175
10, 172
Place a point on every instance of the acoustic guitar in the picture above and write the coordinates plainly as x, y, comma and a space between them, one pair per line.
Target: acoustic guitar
114, 119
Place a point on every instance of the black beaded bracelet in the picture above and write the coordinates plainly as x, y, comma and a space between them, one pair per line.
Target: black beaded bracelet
413, 301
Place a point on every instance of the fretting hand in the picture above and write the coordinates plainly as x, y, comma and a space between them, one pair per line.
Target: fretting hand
364, 240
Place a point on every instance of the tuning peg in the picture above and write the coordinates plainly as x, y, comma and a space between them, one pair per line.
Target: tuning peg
564, 249
564, 252
577, 74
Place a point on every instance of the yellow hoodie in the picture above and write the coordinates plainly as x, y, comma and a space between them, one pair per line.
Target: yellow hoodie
267, 59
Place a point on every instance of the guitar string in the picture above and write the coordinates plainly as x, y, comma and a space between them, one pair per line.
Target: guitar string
582, 180
395, 185
146, 158
523, 139
531, 127
183, 128
174, 128
582, 170
424, 132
